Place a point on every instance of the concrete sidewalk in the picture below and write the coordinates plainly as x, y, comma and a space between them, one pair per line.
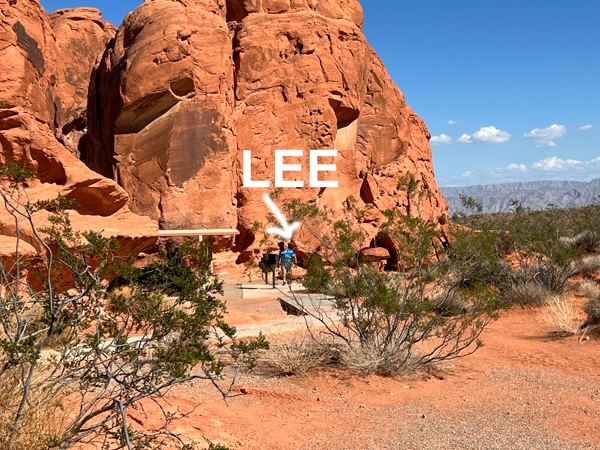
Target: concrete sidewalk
233, 289
302, 307
267, 290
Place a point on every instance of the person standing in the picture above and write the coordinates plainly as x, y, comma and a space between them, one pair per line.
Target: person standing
286, 258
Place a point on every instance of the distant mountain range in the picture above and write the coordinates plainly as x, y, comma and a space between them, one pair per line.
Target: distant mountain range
532, 194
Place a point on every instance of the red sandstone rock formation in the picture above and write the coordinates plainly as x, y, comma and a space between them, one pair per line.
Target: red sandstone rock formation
188, 85
43, 94
168, 106
82, 37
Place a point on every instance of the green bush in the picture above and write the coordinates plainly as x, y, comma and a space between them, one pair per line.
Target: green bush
433, 308
64, 354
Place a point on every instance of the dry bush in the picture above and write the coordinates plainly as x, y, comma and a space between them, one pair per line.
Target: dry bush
450, 303
561, 315
297, 354
587, 265
588, 241
589, 288
538, 284
368, 358
592, 309
533, 293
42, 420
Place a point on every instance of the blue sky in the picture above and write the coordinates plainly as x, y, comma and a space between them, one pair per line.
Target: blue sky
510, 89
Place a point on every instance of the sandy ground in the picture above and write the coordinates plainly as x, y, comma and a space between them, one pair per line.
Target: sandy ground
527, 388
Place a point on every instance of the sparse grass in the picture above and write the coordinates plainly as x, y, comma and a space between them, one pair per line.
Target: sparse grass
42, 421
589, 288
561, 315
301, 353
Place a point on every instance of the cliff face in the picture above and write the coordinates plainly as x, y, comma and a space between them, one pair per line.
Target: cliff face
166, 105
43, 93
187, 86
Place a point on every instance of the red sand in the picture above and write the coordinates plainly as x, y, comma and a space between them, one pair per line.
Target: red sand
528, 387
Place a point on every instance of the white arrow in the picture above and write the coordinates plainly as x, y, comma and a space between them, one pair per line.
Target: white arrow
286, 231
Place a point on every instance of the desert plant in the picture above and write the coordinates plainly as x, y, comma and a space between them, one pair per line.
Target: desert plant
589, 288
560, 314
587, 265
297, 354
588, 241
61, 348
592, 309
43, 417
537, 282
529, 293
470, 207
388, 320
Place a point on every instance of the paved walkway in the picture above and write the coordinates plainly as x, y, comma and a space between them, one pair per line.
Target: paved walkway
236, 289
294, 300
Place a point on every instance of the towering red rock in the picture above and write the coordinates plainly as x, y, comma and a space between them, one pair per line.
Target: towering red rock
167, 125
38, 72
187, 86
167, 106
82, 37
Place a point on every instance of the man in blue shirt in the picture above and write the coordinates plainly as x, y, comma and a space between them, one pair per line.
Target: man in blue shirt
286, 257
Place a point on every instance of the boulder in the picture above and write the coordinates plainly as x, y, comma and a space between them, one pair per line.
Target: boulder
166, 129
374, 254
10, 247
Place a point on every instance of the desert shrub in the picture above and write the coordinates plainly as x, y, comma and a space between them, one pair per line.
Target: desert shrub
60, 347
531, 293
588, 241
589, 288
551, 276
433, 308
560, 315
469, 207
587, 265
592, 309
298, 354
371, 357
449, 303
542, 240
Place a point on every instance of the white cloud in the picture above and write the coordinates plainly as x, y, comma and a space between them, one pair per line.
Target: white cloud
517, 167
545, 137
442, 139
585, 127
486, 135
555, 164
453, 122
552, 168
